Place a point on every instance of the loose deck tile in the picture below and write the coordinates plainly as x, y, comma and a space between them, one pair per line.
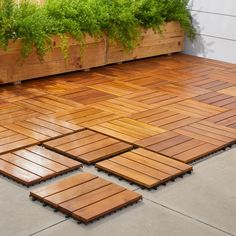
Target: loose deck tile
85, 197
86, 117
88, 146
35, 164
144, 167
127, 129
43, 128
10, 140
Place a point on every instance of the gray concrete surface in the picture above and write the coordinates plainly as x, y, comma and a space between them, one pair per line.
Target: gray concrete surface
201, 204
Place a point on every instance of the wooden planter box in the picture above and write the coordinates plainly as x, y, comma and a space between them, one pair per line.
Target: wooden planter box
153, 44
96, 53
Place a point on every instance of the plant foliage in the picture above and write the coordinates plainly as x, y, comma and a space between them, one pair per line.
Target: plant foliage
120, 20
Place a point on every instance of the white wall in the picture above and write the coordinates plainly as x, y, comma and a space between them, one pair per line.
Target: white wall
216, 24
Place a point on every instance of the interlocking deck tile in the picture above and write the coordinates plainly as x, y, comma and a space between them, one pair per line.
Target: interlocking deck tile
10, 113
48, 104
218, 99
35, 164
88, 146
117, 88
165, 119
86, 117
86, 95
190, 142
43, 128
10, 140
85, 197
144, 167
195, 109
122, 106
154, 98
227, 119
127, 129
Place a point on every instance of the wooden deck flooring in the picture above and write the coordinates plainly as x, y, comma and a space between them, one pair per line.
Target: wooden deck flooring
179, 106
35, 164
85, 197
144, 167
88, 146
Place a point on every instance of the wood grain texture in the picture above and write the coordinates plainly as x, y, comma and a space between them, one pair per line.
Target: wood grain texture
85, 197
35, 164
144, 167
88, 146
179, 106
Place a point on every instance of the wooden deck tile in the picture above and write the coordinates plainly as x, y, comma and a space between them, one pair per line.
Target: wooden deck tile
48, 104
227, 119
10, 140
10, 113
86, 117
85, 197
43, 128
180, 106
179, 146
117, 88
218, 99
195, 109
122, 106
35, 164
165, 119
182, 92
127, 129
154, 98
88, 146
86, 95
229, 91
144, 167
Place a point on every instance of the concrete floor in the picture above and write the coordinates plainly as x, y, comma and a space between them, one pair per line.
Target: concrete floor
201, 204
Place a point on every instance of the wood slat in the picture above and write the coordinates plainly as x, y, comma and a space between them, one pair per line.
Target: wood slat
144, 167
35, 164
85, 196
43, 128
88, 146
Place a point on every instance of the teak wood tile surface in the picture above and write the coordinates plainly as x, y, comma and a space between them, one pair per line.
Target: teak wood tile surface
85, 197
88, 146
144, 167
35, 164
179, 105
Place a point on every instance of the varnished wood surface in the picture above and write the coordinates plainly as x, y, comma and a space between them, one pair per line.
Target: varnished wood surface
88, 146
85, 197
144, 167
180, 106
35, 164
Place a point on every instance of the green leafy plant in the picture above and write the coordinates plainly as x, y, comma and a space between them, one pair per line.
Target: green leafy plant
121, 20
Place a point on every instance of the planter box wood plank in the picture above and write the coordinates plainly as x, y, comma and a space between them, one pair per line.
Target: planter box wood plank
13, 69
96, 53
153, 44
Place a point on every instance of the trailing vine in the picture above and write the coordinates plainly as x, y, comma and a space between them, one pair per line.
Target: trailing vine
120, 20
